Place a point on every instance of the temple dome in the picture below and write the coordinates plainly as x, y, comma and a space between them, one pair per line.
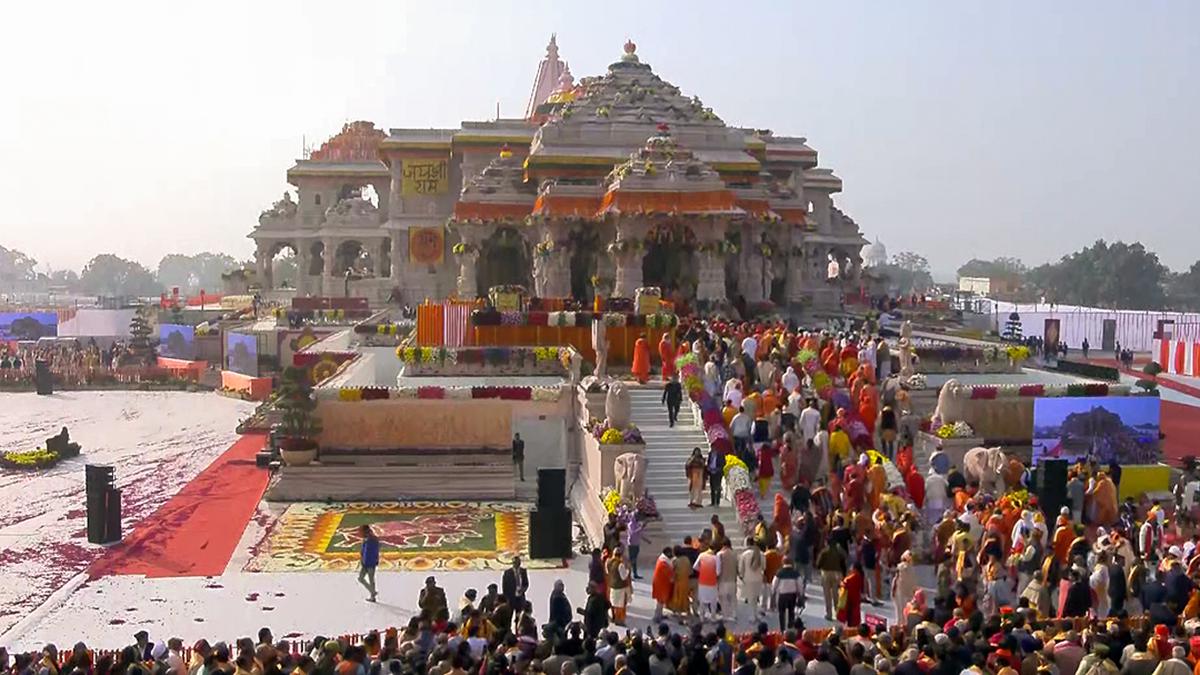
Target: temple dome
874, 254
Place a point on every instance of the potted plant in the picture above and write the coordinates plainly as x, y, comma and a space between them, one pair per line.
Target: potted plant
298, 426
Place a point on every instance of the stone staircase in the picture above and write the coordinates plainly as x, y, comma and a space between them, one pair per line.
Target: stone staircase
667, 452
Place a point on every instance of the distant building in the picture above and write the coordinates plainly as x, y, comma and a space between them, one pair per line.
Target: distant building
874, 254
988, 286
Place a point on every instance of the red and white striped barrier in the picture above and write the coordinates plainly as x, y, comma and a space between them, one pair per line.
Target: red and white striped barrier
1178, 357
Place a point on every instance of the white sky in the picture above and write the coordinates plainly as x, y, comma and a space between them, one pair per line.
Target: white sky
960, 129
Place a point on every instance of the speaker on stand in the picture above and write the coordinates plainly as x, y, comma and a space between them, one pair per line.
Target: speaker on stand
550, 524
1050, 486
552, 488
103, 505
42, 378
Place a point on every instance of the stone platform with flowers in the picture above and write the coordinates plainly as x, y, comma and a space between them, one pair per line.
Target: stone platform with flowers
445, 433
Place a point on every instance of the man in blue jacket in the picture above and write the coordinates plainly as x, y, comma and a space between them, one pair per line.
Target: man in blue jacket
368, 560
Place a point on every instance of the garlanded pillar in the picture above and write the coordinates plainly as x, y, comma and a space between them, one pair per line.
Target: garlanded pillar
712, 251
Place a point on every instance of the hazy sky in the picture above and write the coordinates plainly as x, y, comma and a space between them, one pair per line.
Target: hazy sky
960, 128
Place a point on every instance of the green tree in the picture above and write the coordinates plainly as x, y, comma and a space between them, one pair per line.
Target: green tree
1183, 289
140, 349
908, 272
107, 274
283, 270
193, 273
15, 268
1120, 275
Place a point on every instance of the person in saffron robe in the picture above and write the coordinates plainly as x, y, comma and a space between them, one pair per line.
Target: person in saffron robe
878, 482
789, 462
852, 588
668, 358
681, 598
1104, 496
662, 583
781, 519
641, 360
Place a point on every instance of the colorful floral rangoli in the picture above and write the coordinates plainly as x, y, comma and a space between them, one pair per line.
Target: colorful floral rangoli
413, 536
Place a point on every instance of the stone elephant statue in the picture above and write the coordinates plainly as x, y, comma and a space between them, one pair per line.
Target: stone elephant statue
617, 405
988, 466
629, 470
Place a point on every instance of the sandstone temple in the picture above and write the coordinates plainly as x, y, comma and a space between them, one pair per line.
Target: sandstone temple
605, 185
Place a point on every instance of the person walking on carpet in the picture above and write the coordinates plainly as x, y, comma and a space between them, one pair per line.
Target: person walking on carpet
368, 560
673, 397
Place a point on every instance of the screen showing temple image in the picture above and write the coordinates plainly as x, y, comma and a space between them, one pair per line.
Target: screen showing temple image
176, 341
1121, 429
241, 353
28, 325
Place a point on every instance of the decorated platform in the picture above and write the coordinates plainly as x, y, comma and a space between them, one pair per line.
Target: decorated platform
413, 536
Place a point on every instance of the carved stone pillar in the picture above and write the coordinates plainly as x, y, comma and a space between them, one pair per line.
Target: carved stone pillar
629, 271
552, 262
383, 266
795, 276
751, 277
627, 252
711, 254
262, 260
466, 252
303, 266
328, 254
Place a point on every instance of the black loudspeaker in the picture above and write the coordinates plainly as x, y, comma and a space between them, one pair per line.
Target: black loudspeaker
112, 521
1050, 486
42, 378
550, 533
552, 488
97, 478
103, 505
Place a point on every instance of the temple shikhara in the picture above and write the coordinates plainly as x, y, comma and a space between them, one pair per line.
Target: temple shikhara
607, 184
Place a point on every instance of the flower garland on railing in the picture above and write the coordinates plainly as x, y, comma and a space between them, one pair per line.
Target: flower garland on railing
489, 317
490, 356
609, 435
717, 435
1094, 389
540, 394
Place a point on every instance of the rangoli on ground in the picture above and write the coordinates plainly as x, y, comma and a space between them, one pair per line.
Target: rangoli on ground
413, 536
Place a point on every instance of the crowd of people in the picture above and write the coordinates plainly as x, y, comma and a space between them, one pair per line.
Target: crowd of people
73, 362
1093, 588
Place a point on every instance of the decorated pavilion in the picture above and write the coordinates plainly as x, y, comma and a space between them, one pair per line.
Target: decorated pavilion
606, 185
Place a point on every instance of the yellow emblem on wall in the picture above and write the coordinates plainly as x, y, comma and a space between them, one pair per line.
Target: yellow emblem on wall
425, 177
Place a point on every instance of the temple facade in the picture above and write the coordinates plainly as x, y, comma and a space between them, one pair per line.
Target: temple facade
608, 184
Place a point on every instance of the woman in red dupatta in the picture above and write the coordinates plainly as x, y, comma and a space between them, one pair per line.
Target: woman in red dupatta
852, 590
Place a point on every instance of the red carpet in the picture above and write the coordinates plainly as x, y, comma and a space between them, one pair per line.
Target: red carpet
1181, 424
195, 533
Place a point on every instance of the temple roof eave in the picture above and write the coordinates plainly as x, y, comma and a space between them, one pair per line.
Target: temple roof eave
308, 168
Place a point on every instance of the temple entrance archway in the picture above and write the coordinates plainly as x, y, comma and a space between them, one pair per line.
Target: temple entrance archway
285, 266
503, 260
584, 244
670, 261
354, 257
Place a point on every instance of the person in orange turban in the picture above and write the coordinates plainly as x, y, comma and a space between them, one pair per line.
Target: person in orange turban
641, 360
